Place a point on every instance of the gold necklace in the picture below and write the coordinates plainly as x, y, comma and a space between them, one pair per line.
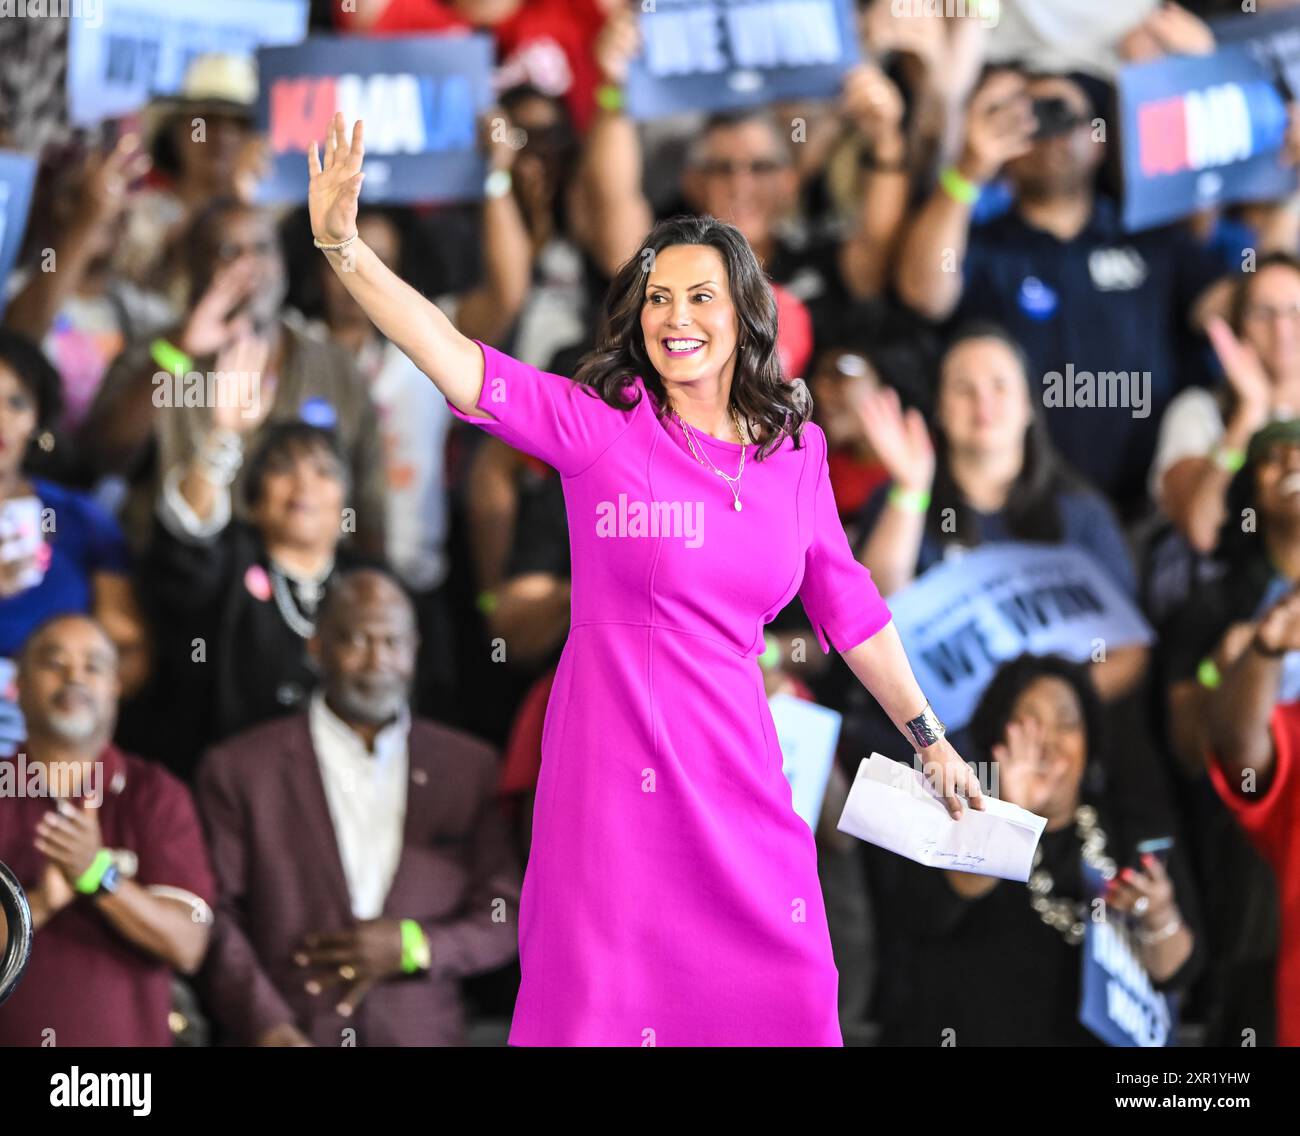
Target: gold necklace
733, 483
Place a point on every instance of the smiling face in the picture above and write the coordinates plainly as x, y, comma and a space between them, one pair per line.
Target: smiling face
688, 319
983, 404
67, 682
1277, 481
1052, 703
300, 498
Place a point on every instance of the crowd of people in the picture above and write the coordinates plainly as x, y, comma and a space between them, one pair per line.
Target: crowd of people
302, 624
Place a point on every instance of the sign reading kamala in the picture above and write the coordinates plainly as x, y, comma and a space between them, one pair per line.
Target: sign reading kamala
712, 55
420, 97
1200, 131
964, 618
142, 48
17, 176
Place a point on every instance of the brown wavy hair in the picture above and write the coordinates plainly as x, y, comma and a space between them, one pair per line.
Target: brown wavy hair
759, 389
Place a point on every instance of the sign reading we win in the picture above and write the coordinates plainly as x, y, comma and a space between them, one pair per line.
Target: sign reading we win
707, 55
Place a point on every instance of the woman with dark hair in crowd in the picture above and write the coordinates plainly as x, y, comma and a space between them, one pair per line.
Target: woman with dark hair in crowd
1040, 722
234, 602
1203, 434
59, 550
990, 474
698, 504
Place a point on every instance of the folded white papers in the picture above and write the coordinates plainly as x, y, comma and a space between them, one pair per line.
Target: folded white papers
893, 805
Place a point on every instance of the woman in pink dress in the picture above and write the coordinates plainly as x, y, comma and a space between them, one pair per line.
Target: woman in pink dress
672, 896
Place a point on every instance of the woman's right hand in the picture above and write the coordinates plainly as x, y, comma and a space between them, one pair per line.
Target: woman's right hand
900, 439
335, 186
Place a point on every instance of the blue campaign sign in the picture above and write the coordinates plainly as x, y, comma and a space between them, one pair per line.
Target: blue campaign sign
714, 55
17, 176
1117, 1001
1201, 131
141, 48
964, 618
1272, 37
420, 97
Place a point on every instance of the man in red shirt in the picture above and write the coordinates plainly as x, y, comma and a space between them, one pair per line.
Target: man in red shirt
1255, 767
545, 43
108, 848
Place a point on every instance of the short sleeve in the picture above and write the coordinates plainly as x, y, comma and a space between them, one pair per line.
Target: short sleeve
1271, 819
175, 856
565, 424
1190, 428
838, 593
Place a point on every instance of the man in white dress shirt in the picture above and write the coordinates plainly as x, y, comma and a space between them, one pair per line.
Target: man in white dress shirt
363, 865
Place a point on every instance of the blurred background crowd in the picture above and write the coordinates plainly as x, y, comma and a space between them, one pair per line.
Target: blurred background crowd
941, 238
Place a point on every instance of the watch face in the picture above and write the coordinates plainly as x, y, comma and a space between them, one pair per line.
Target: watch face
126, 862
110, 880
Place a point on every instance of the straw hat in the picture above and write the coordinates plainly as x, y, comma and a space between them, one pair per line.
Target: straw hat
215, 83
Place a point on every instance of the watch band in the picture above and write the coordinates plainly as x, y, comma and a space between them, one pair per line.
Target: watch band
88, 882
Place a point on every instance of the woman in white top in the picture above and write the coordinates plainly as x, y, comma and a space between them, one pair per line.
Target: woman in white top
1204, 434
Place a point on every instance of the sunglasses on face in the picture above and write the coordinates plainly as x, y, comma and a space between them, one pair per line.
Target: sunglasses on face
762, 167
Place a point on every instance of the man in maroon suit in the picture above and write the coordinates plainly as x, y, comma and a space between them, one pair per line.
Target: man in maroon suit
363, 867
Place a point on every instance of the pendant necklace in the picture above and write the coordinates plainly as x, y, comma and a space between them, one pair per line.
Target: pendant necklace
733, 483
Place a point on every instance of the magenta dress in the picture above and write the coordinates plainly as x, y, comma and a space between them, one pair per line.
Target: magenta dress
672, 895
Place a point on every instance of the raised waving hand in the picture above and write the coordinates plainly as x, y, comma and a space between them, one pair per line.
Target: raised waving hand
423, 333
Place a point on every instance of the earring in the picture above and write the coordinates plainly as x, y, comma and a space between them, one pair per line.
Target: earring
46, 440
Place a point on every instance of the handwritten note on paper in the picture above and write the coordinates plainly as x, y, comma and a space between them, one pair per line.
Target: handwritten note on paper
893, 806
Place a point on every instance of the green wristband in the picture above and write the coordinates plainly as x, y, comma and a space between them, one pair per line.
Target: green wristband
415, 947
609, 97
909, 500
959, 188
770, 659
1207, 674
1227, 458
88, 882
170, 357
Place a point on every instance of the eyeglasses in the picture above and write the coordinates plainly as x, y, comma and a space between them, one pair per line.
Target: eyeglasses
1267, 312
762, 167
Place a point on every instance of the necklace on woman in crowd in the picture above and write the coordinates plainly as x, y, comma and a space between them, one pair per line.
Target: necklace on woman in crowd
1067, 917
306, 594
733, 483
